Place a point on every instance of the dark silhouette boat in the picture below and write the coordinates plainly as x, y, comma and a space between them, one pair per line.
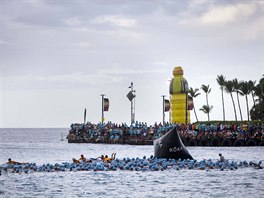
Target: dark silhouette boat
171, 146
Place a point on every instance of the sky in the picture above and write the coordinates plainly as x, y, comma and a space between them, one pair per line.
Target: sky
59, 56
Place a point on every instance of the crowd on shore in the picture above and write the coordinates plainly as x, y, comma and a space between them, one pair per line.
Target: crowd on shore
191, 134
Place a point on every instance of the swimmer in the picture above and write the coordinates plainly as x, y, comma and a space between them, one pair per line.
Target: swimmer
113, 156
101, 157
257, 166
75, 161
10, 161
222, 159
83, 159
109, 159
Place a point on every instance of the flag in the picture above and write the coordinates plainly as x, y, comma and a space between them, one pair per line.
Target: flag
130, 96
190, 103
166, 105
106, 104
131, 85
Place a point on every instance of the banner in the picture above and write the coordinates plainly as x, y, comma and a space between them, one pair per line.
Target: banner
166, 105
190, 103
130, 96
106, 104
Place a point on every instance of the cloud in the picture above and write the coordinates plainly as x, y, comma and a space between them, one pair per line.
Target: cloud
223, 20
228, 13
113, 33
74, 21
97, 77
84, 44
2, 42
255, 30
126, 34
114, 20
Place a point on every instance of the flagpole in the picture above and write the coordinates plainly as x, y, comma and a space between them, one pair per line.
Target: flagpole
131, 97
163, 110
132, 104
102, 119
131, 86
85, 116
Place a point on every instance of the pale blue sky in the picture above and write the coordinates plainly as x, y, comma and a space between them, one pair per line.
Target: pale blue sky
57, 57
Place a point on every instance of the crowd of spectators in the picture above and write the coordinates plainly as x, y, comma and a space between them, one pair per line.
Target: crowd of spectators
141, 133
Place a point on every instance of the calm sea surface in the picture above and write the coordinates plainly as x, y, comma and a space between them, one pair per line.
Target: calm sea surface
45, 146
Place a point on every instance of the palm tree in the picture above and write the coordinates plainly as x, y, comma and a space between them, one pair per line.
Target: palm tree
257, 111
207, 90
229, 88
236, 89
194, 93
206, 109
221, 81
244, 91
259, 90
252, 90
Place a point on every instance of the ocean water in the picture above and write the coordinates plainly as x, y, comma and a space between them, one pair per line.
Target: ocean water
45, 146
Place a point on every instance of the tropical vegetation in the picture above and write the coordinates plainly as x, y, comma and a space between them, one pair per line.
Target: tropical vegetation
194, 93
206, 108
246, 89
221, 81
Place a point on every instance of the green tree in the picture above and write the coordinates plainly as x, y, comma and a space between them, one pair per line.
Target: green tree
207, 90
251, 85
257, 111
229, 88
206, 109
236, 89
259, 90
244, 91
221, 82
194, 93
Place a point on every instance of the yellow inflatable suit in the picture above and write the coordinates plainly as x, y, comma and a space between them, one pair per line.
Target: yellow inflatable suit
178, 91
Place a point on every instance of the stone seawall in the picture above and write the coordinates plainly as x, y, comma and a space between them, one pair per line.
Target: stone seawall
214, 142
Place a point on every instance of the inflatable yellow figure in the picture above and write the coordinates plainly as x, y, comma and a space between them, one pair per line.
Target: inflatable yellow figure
178, 91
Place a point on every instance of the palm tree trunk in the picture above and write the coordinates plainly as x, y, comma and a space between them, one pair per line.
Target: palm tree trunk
233, 105
223, 104
254, 102
239, 106
247, 107
195, 113
208, 107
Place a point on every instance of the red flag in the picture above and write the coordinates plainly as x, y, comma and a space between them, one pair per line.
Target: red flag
190, 103
106, 104
166, 105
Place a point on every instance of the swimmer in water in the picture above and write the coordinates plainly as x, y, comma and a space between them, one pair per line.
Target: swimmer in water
222, 159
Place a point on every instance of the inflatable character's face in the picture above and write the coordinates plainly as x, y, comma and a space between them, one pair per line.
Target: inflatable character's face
177, 71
